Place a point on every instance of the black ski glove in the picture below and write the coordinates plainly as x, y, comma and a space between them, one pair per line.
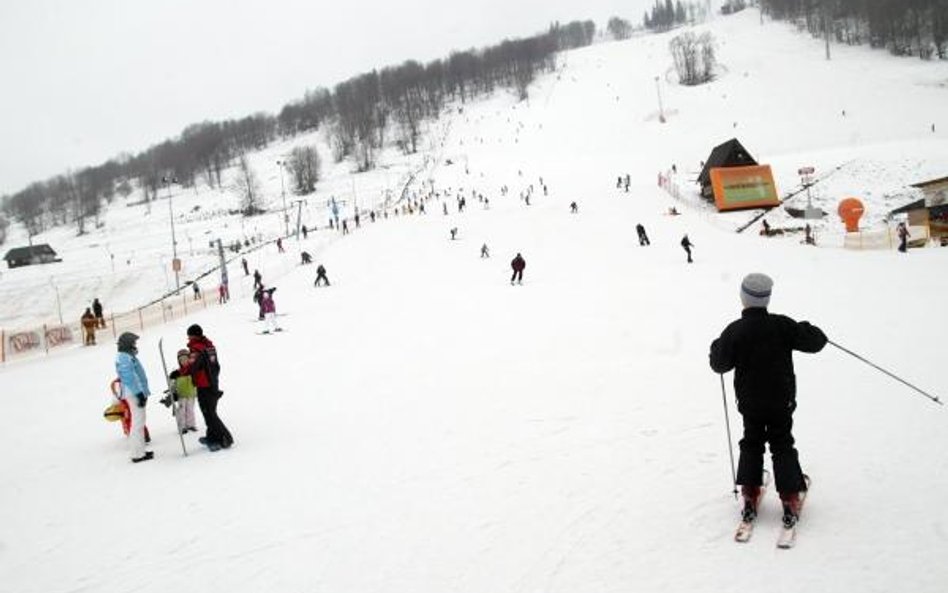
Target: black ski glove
174, 375
141, 397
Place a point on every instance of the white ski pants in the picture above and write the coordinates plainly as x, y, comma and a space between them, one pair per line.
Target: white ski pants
136, 434
270, 322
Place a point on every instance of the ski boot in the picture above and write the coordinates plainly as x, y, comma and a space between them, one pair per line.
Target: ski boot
751, 496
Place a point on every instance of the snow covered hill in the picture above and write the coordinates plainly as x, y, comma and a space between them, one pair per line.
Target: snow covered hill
422, 425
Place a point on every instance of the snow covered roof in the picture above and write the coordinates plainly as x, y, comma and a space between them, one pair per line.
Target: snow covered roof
729, 154
931, 182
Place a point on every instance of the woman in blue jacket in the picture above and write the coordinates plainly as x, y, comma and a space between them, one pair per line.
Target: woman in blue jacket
134, 392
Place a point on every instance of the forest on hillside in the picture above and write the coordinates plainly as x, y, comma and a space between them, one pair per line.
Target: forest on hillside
358, 115
903, 27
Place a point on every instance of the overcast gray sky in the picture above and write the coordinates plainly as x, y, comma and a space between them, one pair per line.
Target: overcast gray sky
83, 80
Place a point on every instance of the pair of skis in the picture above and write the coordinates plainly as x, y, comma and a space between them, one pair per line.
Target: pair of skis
788, 534
171, 391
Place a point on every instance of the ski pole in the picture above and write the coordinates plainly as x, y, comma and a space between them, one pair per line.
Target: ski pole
896, 377
730, 447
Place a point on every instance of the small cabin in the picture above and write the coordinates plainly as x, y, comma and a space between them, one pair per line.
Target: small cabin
28, 256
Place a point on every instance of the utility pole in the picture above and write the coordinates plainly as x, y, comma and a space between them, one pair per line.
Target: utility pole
299, 216
286, 219
175, 262
59, 303
661, 109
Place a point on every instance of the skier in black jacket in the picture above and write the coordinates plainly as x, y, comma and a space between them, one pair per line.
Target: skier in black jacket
759, 347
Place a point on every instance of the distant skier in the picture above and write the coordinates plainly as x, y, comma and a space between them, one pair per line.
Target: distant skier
808, 235
454, 233
243, 262
643, 237
573, 207
345, 227
97, 310
517, 264
903, 233
759, 347
197, 290
204, 368
306, 258
257, 279
305, 232
135, 392
687, 245
484, 251
223, 293
268, 308
321, 275
89, 323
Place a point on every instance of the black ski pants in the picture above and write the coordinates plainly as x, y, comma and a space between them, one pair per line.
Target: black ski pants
216, 431
774, 428
517, 276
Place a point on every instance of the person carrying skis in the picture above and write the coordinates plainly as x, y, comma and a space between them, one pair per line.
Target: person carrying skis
687, 245
135, 393
518, 264
759, 347
643, 238
204, 369
321, 275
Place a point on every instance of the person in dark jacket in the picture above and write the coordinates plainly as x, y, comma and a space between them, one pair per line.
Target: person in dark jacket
321, 275
97, 309
687, 245
643, 238
203, 367
518, 264
759, 347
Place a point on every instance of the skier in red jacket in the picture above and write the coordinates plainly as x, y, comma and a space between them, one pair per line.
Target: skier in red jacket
203, 367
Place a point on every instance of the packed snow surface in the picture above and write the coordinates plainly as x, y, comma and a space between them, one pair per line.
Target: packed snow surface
422, 425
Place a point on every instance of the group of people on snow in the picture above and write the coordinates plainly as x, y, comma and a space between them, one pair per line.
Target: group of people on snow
91, 320
197, 377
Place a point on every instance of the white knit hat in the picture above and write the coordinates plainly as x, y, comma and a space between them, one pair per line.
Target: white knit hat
755, 290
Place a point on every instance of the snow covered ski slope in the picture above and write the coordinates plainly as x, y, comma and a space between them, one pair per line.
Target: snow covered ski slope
425, 426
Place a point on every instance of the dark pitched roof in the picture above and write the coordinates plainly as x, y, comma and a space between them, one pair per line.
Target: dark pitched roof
916, 205
26, 252
729, 154
924, 184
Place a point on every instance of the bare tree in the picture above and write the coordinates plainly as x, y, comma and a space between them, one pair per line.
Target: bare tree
4, 225
304, 166
619, 28
694, 57
247, 187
